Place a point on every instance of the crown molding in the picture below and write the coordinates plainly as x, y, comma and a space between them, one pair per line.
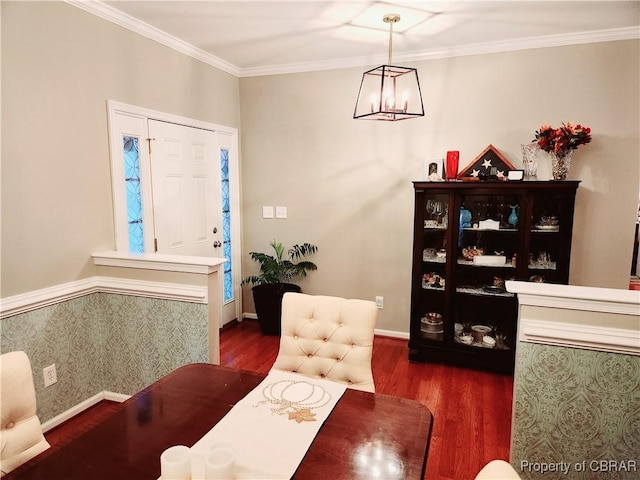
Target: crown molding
106, 12
597, 36
111, 14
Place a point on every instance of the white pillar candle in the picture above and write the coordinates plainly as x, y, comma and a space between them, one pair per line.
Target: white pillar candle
219, 464
175, 463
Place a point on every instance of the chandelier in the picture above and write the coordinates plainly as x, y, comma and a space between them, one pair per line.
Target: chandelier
389, 92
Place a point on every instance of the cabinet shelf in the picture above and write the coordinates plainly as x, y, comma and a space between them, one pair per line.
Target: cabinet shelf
485, 230
500, 345
479, 291
435, 260
470, 294
470, 263
540, 266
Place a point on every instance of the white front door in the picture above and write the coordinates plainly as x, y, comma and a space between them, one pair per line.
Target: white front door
187, 199
186, 189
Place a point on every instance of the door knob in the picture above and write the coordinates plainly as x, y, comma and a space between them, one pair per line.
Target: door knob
217, 244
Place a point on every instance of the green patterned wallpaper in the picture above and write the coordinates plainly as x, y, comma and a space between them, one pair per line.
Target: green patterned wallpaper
103, 341
576, 412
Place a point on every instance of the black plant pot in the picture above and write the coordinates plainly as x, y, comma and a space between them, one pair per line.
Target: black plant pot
267, 299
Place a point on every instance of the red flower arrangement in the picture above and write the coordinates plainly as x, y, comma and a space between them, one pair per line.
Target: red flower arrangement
562, 139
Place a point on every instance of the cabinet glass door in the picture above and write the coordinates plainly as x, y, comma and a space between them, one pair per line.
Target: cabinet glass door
433, 314
488, 243
548, 259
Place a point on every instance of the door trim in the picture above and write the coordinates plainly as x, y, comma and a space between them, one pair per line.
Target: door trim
114, 109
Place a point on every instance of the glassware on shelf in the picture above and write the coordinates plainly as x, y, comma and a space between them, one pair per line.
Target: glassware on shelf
513, 216
437, 210
490, 209
464, 222
543, 261
500, 207
465, 218
429, 208
477, 213
530, 154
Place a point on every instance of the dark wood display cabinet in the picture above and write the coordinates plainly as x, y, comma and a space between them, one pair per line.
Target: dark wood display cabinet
469, 238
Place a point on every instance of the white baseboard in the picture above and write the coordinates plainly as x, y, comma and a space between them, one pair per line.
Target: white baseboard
115, 397
81, 407
392, 334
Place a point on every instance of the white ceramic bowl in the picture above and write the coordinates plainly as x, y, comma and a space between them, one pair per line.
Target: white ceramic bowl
488, 341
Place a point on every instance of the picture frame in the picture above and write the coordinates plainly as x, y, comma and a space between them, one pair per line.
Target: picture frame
434, 170
490, 164
515, 175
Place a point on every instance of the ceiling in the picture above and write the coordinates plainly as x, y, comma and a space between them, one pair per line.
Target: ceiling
265, 37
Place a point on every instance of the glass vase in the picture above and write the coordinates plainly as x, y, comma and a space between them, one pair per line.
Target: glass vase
530, 153
560, 165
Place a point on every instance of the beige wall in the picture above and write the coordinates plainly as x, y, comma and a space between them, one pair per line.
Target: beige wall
347, 183
60, 65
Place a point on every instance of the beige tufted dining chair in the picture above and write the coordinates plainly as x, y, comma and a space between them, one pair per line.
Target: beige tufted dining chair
497, 470
328, 337
21, 436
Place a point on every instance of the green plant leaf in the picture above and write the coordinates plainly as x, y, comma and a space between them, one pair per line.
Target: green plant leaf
275, 269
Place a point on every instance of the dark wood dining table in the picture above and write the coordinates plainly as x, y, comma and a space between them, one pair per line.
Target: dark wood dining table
365, 434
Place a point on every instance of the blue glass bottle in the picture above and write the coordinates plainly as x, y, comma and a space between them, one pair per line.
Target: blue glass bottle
465, 222
513, 216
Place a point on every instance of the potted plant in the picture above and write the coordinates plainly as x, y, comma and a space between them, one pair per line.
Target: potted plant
275, 279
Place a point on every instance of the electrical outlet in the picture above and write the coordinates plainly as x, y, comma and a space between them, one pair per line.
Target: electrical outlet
379, 301
50, 376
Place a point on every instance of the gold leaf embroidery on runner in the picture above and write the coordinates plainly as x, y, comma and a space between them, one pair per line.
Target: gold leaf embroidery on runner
304, 415
300, 409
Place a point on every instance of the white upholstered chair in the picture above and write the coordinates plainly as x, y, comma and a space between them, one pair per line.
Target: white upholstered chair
497, 470
21, 435
328, 337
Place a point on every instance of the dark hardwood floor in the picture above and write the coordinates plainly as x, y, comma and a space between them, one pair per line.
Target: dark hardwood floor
471, 409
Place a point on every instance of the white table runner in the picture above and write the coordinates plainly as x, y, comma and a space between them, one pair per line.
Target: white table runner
273, 426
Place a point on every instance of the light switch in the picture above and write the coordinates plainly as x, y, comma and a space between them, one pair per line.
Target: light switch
267, 212
281, 212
